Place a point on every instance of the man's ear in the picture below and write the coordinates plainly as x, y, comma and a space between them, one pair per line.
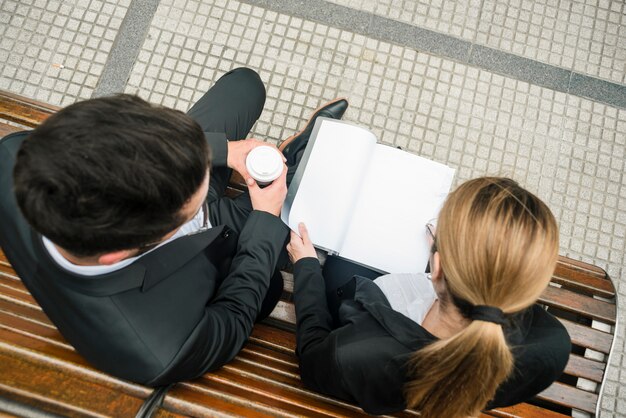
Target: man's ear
115, 257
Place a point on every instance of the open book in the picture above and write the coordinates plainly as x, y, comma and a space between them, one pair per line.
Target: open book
364, 201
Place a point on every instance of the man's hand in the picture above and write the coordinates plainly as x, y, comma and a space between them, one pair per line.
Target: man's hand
238, 152
300, 246
269, 199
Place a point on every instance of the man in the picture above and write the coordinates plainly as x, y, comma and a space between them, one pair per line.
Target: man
111, 219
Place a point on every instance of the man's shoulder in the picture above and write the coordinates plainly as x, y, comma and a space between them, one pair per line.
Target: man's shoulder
11, 143
14, 231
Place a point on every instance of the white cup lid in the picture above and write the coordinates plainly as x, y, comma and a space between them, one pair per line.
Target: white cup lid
265, 164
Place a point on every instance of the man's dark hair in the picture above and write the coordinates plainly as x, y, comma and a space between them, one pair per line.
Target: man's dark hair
109, 174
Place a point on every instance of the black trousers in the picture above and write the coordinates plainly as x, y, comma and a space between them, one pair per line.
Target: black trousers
232, 106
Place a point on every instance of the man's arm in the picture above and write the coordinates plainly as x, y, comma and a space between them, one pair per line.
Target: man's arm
219, 148
229, 317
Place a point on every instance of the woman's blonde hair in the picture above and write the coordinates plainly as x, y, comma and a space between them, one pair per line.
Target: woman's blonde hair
498, 246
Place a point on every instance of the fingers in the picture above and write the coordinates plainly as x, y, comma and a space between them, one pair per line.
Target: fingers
283, 175
304, 233
292, 248
300, 246
243, 172
281, 181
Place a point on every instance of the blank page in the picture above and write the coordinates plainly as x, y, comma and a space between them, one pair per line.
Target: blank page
401, 193
323, 190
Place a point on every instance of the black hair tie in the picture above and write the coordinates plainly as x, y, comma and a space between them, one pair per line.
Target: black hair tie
488, 313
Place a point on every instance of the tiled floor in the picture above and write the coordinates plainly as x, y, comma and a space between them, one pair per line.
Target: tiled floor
55, 51
457, 18
586, 36
568, 149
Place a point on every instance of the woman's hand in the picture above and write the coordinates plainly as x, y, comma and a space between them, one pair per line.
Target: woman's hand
300, 246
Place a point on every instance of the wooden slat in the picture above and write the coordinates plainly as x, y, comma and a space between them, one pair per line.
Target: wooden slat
24, 311
524, 410
571, 397
36, 330
8, 129
14, 341
588, 337
581, 304
7, 272
162, 413
583, 367
53, 389
16, 285
24, 111
576, 278
275, 338
589, 268
186, 401
274, 360
17, 295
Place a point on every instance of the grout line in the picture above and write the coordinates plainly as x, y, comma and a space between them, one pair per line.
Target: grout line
424, 40
569, 83
126, 47
480, 18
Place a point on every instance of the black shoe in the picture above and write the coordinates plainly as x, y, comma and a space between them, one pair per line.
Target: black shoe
293, 145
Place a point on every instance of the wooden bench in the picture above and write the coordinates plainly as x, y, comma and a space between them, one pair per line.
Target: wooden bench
40, 370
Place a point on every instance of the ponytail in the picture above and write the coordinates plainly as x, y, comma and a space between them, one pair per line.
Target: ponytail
456, 377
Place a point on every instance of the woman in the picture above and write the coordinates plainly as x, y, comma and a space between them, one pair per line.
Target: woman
471, 338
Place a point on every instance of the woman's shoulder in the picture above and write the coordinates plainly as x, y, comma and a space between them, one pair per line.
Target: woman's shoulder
546, 340
540, 356
537, 325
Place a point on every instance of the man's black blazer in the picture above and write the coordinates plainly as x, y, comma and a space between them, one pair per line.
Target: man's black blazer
364, 359
175, 313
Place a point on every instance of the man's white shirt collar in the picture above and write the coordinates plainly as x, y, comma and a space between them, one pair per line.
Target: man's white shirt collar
194, 225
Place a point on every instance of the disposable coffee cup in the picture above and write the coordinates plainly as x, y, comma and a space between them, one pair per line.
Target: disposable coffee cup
265, 164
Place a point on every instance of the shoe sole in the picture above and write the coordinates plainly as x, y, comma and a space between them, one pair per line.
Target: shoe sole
291, 138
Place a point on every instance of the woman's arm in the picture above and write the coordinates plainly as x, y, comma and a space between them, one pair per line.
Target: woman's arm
316, 342
313, 320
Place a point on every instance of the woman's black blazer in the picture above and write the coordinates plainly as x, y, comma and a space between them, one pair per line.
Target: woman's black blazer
363, 360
